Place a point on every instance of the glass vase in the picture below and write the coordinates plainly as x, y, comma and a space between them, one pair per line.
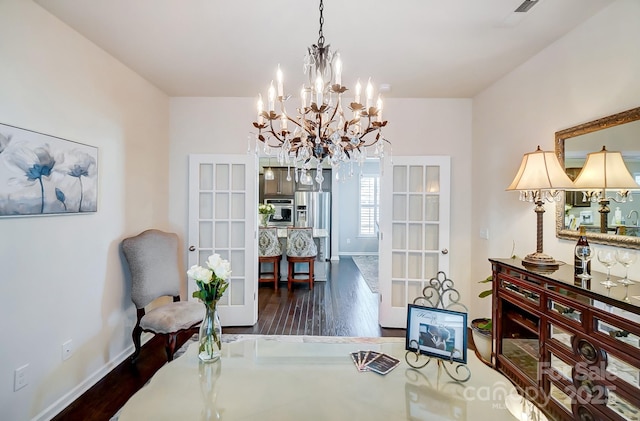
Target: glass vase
209, 347
264, 219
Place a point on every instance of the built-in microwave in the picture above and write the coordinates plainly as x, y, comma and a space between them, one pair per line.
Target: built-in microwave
284, 212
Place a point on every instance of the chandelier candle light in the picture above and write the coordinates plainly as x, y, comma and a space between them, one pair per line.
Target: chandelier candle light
540, 178
320, 131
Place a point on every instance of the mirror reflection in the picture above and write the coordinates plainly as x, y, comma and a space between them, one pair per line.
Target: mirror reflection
619, 132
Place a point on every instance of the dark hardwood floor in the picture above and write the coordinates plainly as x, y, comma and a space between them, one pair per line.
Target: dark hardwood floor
342, 306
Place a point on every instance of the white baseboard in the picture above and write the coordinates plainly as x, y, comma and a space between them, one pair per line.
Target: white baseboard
68, 398
370, 253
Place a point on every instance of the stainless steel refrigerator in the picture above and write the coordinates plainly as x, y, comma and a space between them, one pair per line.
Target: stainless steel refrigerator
313, 209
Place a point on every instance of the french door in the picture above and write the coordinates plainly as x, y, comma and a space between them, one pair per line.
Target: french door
222, 219
414, 231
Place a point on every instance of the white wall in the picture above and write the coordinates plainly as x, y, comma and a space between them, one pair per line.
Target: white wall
416, 127
61, 277
590, 73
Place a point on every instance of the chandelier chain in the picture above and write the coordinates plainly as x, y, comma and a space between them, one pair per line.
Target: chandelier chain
320, 34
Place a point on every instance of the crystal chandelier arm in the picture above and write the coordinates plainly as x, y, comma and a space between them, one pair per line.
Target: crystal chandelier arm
333, 116
269, 130
371, 127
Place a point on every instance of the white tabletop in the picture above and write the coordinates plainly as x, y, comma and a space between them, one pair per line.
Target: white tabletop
265, 379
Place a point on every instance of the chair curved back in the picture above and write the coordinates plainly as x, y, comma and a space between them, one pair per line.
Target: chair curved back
268, 242
152, 257
300, 242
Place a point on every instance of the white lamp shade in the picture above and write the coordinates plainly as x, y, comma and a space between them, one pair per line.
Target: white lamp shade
605, 170
268, 174
540, 170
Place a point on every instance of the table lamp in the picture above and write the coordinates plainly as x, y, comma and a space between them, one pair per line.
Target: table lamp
605, 170
540, 178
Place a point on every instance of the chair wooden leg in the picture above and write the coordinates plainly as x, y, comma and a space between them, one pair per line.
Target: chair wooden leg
290, 276
311, 274
276, 273
137, 332
170, 345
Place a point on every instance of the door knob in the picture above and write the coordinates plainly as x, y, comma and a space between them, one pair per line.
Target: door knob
445, 251
192, 248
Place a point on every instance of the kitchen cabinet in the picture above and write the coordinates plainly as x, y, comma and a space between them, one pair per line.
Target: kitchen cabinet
572, 346
279, 186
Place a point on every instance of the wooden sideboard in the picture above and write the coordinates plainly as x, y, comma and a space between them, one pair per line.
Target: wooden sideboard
572, 347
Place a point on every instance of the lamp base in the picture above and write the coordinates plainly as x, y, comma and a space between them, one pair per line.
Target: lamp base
540, 261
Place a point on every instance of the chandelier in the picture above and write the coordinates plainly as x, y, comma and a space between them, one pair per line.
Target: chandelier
320, 130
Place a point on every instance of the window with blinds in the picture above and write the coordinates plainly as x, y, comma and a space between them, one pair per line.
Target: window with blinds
369, 205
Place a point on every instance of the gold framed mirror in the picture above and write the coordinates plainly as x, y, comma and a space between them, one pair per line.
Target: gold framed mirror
618, 132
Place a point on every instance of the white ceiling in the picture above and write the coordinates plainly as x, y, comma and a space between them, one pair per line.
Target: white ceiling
422, 48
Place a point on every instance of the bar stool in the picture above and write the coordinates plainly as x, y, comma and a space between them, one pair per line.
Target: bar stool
269, 251
300, 249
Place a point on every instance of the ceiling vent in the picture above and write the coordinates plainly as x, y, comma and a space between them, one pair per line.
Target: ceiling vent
525, 6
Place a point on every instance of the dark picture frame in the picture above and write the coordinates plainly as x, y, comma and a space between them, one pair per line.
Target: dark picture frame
437, 332
42, 174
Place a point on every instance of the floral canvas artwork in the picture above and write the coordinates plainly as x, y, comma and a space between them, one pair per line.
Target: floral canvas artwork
45, 175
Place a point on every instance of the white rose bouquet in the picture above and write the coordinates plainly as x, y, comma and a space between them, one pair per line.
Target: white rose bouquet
266, 209
212, 281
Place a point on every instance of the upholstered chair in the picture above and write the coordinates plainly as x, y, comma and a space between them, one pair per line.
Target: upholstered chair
269, 252
301, 249
152, 258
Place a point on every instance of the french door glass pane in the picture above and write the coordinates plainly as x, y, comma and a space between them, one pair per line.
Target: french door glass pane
398, 294
415, 237
206, 176
399, 179
431, 237
238, 208
237, 234
399, 207
431, 265
222, 206
222, 235
414, 266
398, 264
238, 182
416, 179
415, 207
399, 240
433, 179
206, 206
222, 177
204, 236
432, 207
236, 289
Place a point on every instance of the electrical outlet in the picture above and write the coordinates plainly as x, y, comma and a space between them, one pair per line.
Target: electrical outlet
67, 350
484, 233
348, 240
20, 378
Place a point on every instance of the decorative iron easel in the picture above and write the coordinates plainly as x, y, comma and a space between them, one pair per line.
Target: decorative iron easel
439, 293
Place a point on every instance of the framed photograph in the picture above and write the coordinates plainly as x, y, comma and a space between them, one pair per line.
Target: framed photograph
45, 175
437, 333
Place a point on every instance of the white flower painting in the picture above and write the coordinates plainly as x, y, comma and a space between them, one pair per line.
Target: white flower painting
44, 175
